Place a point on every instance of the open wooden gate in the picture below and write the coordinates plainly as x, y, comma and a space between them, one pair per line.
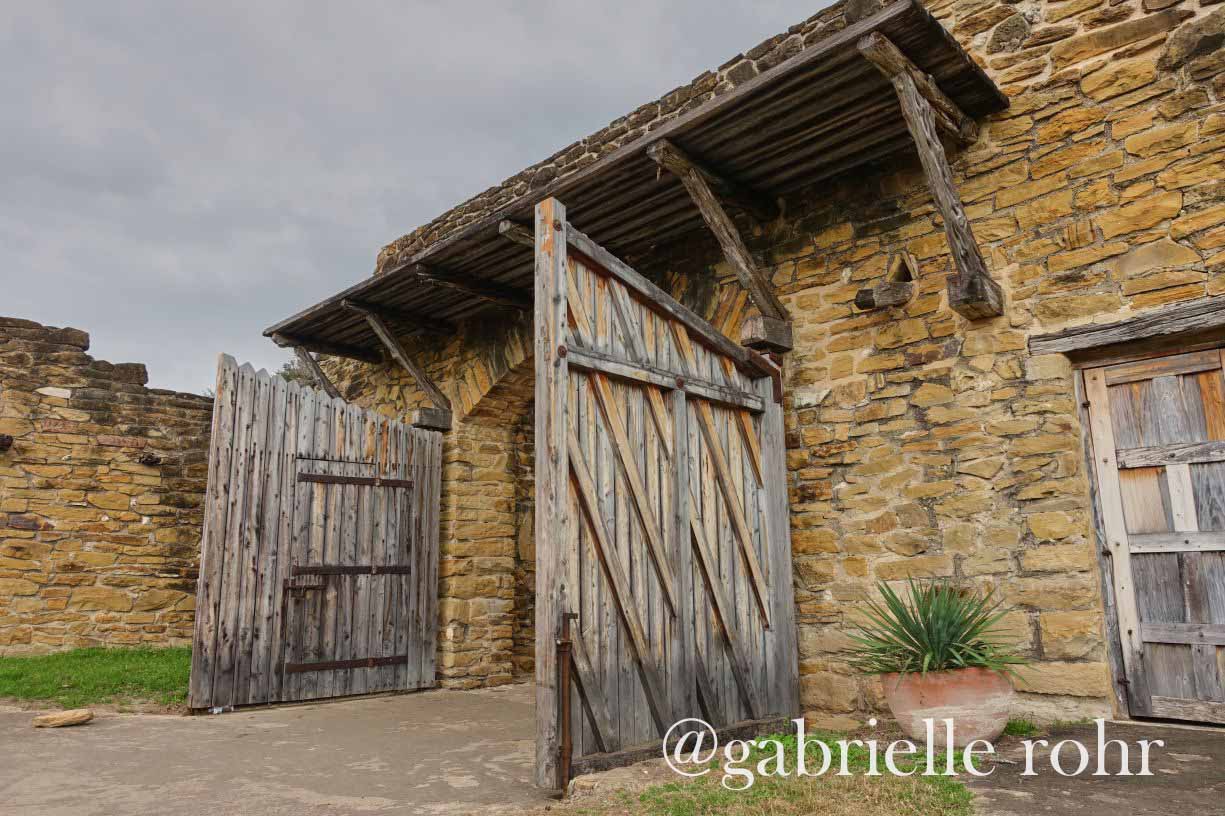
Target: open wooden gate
663, 544
1158, 432
319, 558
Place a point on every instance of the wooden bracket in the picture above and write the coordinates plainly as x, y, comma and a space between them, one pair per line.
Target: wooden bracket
891, 62
517, 233
884, 295
972, 292
698, 182
414, 323
482, 290
761, 207
397, 351
767, 334
312, 366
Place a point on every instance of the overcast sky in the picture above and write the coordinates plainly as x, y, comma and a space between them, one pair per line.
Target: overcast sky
177, 176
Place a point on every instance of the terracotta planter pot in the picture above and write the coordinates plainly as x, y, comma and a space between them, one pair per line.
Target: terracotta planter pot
976, 700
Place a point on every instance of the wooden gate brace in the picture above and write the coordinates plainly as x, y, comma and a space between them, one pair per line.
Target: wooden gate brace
972, 292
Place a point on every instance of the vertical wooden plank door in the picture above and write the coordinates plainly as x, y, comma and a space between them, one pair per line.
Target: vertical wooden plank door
318, 573
1158, 435
661, 515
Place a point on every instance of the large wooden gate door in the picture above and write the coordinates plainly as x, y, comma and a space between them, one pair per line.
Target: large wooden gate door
1158, 434
319, 558
663, 545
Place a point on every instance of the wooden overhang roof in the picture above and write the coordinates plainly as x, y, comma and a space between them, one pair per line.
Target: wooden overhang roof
816, 115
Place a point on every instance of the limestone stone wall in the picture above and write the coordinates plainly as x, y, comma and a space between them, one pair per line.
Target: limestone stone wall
100, 497
919, 444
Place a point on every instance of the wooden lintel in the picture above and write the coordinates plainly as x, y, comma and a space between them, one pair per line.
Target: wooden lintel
398, 352
724, 229
517, 233
972, 292
483, 290
414, 322
1176, 322
330, 349
312, 366
676, 161
891, 62
767, 334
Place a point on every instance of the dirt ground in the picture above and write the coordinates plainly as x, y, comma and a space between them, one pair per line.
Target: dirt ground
438, 752
453, 752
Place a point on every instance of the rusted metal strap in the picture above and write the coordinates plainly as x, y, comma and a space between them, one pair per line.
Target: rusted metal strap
352, 569
369, 481
359, 663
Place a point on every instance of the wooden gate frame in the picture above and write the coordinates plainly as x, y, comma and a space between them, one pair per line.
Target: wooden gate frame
554, 238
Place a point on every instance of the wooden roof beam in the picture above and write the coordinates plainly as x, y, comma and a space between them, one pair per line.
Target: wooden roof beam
400, 354
881, 52
517, 233
972, 292
670, 157
734, 250
330, 349
484, 290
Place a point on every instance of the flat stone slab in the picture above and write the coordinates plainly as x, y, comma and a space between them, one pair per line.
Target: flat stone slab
59, 719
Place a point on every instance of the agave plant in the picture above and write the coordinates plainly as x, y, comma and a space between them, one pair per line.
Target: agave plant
938, 627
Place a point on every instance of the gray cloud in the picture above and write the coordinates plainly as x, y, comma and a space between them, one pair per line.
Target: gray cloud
178, 176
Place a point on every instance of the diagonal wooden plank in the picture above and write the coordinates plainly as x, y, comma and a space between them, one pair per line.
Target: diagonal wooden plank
744, 423
642, 503
706, 423
725, 615
593, 696
397, 350
657, 700
582, 324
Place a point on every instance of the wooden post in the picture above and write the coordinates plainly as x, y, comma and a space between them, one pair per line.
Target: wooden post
667, 155
312, 365
552, 473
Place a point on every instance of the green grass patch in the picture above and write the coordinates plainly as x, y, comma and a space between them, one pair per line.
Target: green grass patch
85, 676
855, 795
1021, 728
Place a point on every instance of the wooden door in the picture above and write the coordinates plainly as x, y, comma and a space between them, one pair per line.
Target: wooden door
1158, 434
661, 513
318, 562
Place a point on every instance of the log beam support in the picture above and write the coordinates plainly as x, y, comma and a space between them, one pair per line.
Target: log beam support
670, 157
396, 349
517, 233
972, 292
885, 295
698, 182
767, 334
309, 362
882, 53
330, 349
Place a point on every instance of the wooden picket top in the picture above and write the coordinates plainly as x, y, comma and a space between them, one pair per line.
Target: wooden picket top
318, 567
661, 512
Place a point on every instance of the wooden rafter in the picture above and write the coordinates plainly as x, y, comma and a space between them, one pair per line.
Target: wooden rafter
415, 322
734, 249
312, 366
678, 162
330, 349
972, 292
882, 53
400, 354
482, 290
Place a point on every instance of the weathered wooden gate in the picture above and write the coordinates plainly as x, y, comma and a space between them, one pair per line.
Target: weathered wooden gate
663, 546
318, 562
1158, 435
